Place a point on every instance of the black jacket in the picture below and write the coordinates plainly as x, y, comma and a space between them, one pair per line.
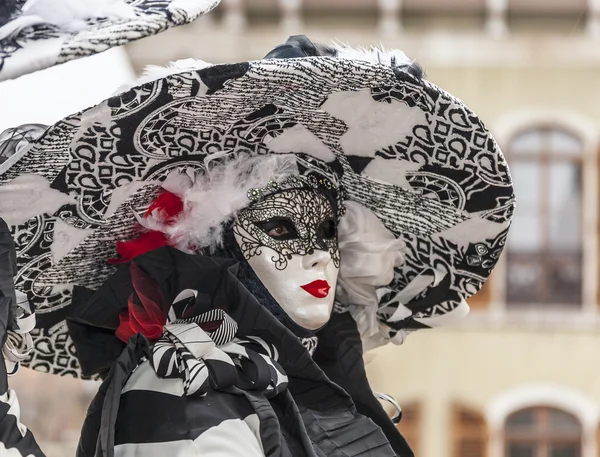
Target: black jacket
313, 416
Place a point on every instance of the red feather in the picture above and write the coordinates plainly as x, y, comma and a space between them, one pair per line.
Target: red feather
146, 242
147, 317
167, 204
138, 319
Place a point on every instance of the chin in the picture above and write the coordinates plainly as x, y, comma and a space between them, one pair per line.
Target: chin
313, 325
317, 316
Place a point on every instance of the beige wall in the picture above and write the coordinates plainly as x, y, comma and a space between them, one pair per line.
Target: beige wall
494, 93
473, 367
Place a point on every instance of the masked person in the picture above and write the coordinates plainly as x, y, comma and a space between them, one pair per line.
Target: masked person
222, 242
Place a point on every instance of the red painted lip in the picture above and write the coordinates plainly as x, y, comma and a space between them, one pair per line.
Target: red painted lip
318, 288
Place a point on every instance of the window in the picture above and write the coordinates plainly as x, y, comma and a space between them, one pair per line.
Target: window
544, 252
410, 425
469, 432
542, 432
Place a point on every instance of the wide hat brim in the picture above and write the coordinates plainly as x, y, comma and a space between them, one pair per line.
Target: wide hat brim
411, 153
33, 43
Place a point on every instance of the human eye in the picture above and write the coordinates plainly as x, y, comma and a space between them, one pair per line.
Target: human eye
327, 229
279, 228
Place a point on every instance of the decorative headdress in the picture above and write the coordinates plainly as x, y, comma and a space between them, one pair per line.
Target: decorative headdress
36, 34
413, 155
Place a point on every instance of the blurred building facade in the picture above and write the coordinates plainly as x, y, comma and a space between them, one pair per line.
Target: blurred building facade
521, 376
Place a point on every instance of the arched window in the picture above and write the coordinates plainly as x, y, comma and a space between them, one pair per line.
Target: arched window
544, 251
542, 432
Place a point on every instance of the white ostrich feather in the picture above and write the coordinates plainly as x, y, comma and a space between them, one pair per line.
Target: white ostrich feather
373, 54
212, 199
156, 72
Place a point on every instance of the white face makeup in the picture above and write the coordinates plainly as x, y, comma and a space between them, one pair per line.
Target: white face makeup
290, 241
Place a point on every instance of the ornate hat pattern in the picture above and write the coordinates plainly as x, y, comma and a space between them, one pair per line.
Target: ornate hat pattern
410, 152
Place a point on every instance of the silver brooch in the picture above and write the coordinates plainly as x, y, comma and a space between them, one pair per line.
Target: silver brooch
258, 193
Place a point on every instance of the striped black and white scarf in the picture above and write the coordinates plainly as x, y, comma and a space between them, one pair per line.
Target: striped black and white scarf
206, 359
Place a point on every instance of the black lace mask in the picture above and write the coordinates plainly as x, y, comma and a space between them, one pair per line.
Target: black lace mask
289, 223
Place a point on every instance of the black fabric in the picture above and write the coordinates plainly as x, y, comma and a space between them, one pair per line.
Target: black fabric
10, 435
283, 414
97, 348
5, 306
98, 431
7, 8
314, 416
339, 354
402, 72
158, 409
214, 77
300, 46
8, 268
94, 316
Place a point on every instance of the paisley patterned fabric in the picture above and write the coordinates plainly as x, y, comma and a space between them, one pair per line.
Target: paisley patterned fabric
33, 44
413, 154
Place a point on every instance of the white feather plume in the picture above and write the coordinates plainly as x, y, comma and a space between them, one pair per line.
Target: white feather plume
373, 54
156, 72
70, 15
369, 252
212, 199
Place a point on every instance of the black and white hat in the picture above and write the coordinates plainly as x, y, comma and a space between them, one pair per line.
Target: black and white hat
36, 34
411, 153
